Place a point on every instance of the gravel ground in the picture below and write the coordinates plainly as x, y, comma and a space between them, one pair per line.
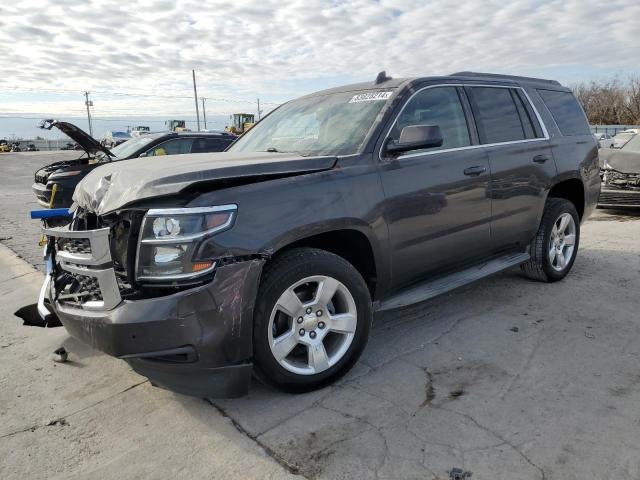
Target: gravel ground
508, 379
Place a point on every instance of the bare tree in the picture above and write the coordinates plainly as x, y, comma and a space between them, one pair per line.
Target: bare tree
611, 102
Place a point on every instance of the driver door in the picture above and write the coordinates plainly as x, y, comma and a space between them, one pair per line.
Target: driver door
438, 206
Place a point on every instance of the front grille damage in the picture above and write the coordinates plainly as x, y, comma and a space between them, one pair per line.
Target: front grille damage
95, 259
74, 245
619, 189
615, 179
75, 289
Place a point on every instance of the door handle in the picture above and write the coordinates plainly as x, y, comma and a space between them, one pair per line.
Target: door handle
473, 171
540, 158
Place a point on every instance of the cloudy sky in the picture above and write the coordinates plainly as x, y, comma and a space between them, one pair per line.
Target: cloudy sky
277, 49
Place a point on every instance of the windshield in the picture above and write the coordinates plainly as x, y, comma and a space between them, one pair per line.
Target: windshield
128, 148
335, 124
632, 145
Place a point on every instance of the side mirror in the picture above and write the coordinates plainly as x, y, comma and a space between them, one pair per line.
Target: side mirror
415, 137
144, 154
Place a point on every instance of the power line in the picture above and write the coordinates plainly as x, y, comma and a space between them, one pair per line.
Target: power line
128, 94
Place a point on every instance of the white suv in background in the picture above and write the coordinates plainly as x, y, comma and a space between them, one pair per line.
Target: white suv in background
604, 140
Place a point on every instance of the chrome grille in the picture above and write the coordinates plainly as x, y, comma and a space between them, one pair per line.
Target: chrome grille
75, 245
85, 277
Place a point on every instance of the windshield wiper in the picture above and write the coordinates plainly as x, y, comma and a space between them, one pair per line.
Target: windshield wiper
273, 150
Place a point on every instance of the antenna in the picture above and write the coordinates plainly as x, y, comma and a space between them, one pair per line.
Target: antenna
382, 77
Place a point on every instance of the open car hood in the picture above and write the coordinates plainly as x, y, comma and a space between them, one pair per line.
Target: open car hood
115, 185
620, 160
82, 138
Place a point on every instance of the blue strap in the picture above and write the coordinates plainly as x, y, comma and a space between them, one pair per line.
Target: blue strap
51, 212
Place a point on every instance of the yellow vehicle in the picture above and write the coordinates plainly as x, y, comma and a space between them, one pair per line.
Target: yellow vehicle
4, 146
176, 125
240, 123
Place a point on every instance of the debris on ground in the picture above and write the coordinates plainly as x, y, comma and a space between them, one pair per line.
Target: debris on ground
55, 421
60, 355
514, 329
456, 392
459, 474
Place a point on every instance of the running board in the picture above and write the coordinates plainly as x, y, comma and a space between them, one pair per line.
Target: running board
432, 288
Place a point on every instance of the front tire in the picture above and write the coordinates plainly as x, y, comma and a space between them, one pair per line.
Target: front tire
312, 320
555, 246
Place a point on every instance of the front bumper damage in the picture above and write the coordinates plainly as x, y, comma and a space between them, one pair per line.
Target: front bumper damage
619, 190
197, 341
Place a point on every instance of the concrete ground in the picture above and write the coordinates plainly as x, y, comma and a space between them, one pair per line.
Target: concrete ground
507, 379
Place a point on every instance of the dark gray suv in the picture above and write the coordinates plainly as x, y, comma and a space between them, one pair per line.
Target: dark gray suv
270, 258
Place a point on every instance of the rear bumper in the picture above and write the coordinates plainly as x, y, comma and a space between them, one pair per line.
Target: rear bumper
618, 198
196, 342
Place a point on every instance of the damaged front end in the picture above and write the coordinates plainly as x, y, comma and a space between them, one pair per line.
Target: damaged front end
619, 190
132, 284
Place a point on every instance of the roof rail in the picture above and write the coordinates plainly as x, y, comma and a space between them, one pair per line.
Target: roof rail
505, 77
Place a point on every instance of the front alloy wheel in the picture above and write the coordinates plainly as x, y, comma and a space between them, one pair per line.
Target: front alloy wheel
312, 325
312, 319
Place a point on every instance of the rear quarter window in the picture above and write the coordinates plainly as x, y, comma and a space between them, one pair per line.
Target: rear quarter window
566, 112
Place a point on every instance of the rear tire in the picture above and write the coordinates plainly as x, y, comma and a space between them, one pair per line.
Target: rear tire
312, 320
555, 246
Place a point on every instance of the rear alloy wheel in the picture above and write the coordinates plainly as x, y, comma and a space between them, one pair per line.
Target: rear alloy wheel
312, 319
555, 246
562, 242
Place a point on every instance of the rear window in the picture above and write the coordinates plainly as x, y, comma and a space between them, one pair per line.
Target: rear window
566, 112
498, 116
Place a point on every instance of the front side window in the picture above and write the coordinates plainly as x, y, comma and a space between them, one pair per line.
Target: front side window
566, 112
171, 147
497, 115
439, 106
333, 124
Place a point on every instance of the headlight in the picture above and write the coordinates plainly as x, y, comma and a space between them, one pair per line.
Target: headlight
72, 173
169, 238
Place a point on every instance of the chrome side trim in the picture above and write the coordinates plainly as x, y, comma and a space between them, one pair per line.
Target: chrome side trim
469, 147
44, 291
194, 210
186, 238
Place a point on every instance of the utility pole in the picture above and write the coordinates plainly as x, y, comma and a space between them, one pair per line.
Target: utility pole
259, 111
195, 95
88, 103
204, 113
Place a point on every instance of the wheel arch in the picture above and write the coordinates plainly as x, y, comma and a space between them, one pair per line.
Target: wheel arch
571, 189
348, 242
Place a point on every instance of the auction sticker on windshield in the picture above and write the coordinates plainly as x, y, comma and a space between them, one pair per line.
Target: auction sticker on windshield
370, 97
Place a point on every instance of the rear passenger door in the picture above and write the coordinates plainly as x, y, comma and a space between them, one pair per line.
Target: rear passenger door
522, 164
437, 208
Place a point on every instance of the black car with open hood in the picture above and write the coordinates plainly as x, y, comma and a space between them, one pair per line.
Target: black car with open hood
54, 184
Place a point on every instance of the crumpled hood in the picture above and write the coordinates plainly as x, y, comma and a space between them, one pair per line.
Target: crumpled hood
114, 185
620, 160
